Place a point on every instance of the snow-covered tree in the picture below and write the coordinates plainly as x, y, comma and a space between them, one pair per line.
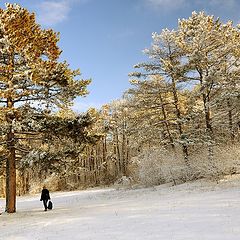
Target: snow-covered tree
210, 60
166, 62
199, 65
29, 74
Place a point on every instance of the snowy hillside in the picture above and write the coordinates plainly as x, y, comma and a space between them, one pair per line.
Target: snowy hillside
193, 211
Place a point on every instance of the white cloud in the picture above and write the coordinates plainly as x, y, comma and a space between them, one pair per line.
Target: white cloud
167, 4
53, 12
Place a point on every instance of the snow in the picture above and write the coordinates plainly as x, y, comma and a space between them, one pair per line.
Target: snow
200, 210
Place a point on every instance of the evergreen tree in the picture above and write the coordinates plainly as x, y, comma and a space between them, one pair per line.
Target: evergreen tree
30, 74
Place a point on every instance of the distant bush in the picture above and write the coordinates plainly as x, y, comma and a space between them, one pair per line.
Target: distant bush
158, 166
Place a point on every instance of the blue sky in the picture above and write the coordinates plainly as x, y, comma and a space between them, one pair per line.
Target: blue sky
105, 38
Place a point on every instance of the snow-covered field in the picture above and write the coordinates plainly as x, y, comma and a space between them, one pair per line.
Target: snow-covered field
190, 211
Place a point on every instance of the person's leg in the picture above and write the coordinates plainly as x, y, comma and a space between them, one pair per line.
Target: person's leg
45, 204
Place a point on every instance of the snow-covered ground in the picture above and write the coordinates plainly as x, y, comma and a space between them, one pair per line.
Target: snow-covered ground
193, 211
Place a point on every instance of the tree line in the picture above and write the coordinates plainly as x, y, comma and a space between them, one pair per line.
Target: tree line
183, 106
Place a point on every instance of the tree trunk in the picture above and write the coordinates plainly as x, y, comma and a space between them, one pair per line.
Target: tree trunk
179, 124
207, 113
124, 148
230, 121
118, 153
166, 122
11, 174
209, 130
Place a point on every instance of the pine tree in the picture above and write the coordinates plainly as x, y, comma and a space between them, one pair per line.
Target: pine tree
165, 62
29, 74
211, 62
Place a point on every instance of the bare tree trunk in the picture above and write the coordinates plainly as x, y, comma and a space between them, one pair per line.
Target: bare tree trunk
166, 123
124, 148
11, 175
119, 170
209, 130
207, 114
104, 167
11, 163
104, 150
127, 156
230, 121
2, 186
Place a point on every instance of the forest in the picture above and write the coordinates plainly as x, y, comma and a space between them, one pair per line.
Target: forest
179, 121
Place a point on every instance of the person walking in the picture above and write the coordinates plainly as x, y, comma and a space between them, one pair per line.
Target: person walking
45, 196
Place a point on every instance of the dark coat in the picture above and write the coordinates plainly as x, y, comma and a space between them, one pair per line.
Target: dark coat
45, 195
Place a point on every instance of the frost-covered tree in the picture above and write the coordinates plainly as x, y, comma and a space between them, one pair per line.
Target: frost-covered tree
62, 139
118, 134
199, 63
166, 62
29, 74
211, 62
150, 103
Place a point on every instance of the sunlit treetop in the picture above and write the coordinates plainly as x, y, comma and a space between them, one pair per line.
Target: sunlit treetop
29, 67
25, 36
